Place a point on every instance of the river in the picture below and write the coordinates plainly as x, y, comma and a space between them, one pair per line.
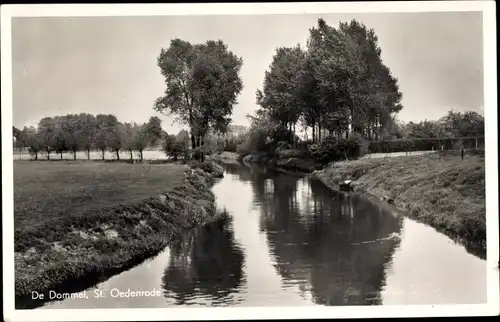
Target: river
288, 241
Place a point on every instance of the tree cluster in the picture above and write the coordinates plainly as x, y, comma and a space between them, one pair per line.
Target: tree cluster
453, 131
86, 132
337, 85
452, 125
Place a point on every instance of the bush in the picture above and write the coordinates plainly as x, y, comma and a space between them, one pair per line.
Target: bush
255, 141
209, 167
335, 149
283, 145
230, 146
175, 148
291, 153
426, 144
285, 150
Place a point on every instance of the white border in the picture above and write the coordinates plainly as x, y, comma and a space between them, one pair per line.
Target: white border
79, 10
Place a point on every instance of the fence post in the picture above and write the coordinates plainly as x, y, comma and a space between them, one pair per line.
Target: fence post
462, 153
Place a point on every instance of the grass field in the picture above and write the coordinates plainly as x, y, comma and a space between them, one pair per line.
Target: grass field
44, 190
76, 219
447, 193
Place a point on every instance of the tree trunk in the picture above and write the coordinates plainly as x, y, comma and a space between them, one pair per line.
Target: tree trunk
294, 136
48, 155
117, 154
88, 153
74, 155
131, 155
202, 156
319, 132
314, 133
103, 151
140, 152
36, 155
60, 154
193, 141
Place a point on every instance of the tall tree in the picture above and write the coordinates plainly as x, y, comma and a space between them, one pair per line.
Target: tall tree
48, 134
344, 83
141, 139
128, 137
19, 137
88, 132
60, 145
72, 126
202, 86
280, 95
116, 138
104, 125
34, 141
374, 94
154, 131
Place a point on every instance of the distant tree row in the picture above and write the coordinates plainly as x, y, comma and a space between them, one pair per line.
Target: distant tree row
452, 125
86, 132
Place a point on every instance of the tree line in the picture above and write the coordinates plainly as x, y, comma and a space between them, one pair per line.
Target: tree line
86, 132
452, 125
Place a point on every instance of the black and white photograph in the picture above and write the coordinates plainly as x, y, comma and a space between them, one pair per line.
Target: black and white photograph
253, 160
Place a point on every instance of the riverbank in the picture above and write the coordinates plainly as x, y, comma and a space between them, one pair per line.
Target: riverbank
305, 165
226, 156
445, 192
62, 246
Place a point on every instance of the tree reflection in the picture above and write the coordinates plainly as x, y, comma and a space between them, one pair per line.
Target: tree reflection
334, 244
206, 263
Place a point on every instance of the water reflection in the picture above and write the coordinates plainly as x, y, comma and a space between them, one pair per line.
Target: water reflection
335, 245
206, 263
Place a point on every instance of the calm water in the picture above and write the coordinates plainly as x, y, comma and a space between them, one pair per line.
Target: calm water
288, 241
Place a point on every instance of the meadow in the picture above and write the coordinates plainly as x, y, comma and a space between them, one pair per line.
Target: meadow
45, 190
77, 219
445, 191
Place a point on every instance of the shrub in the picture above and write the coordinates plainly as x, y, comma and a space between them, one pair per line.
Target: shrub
209, 167
230, 146
425, 144
255, 141
283, 145
291, 153
335, 149
175, 148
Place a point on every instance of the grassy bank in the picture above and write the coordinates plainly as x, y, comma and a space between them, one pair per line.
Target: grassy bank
227, 157
445, 192
78, 221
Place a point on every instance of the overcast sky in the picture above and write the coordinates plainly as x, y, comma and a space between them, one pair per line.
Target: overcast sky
108, 64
